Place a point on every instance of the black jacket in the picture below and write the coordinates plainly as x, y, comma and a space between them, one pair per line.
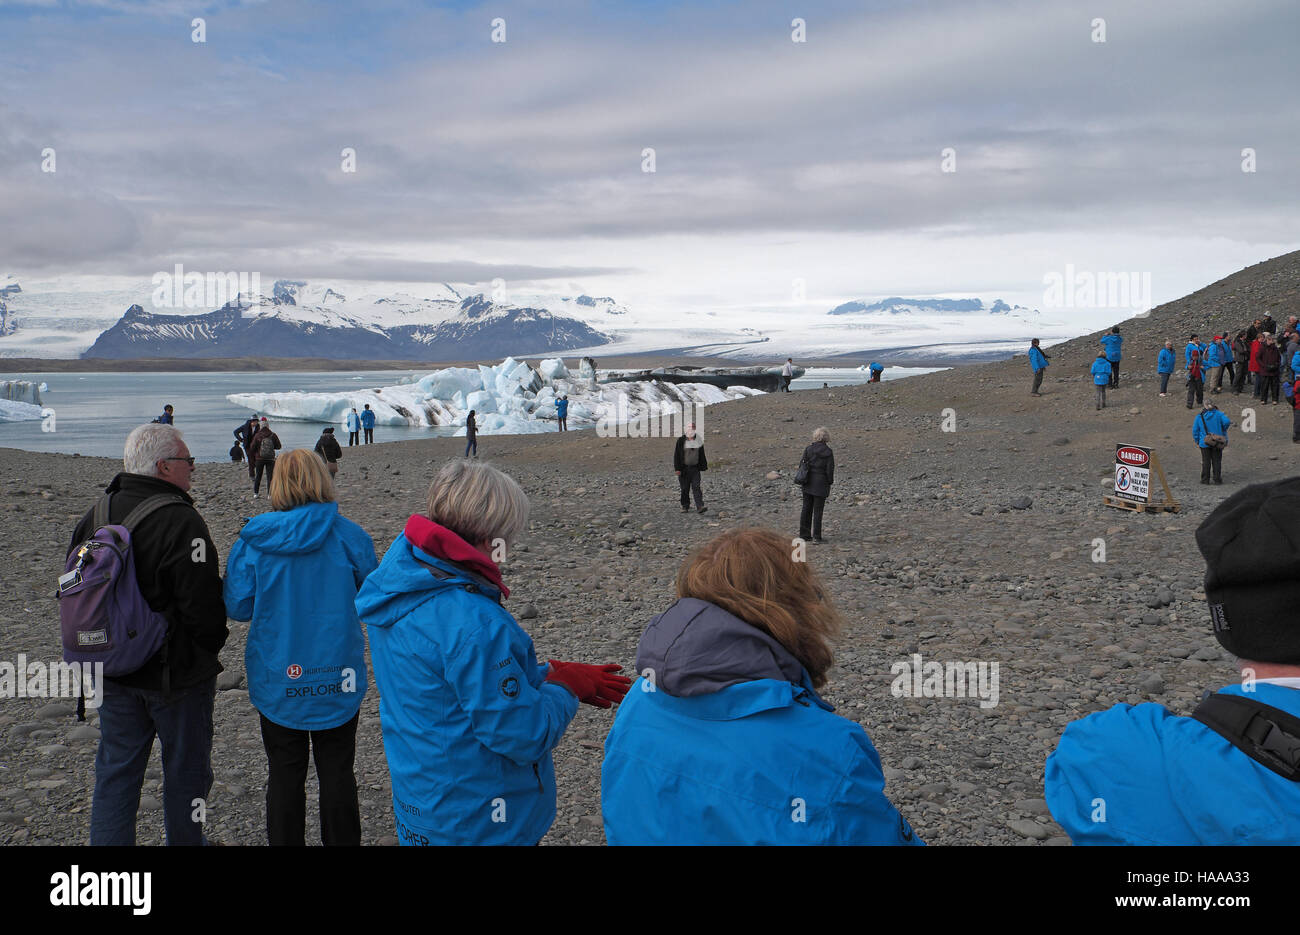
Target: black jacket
821, 469
186, 591
327, 446
679, 455
244, 434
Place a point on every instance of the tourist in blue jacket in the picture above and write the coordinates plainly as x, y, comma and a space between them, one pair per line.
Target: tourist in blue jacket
1193, 344
469, 715
1101, 378
562, 412
1211, 421
1038, 362
368, 423
1143, 775
1165, 366
1113, 343
294, 572
354, 428
724, 739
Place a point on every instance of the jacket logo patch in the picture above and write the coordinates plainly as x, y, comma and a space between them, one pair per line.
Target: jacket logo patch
92, 637
510, 686
1219, 618
294, 671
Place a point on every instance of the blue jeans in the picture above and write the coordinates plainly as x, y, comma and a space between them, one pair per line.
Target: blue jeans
1164, 382
472, 443
129, 719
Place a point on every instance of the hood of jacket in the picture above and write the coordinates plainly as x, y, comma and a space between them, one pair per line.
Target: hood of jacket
291, 532
697, 648
403, 581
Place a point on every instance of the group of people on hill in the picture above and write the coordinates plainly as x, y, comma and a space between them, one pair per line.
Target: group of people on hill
727, 695
1256, 352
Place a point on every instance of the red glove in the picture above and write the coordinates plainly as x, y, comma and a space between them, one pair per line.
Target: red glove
593, 685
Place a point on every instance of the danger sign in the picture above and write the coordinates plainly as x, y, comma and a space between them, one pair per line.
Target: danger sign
1133, 473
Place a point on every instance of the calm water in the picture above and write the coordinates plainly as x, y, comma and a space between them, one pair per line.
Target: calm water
94, 412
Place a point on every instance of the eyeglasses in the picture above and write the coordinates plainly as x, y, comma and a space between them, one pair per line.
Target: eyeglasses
189, 460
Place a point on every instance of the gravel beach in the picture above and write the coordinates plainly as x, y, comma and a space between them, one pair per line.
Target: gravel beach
975, 545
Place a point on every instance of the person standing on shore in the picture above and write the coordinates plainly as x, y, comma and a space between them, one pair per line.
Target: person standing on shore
469, 716
295, 572
244, 435
354, 428
688, 463
1165, 366
1229, 362
471, 433
562, 413
171, 695
327, 446
1038, 363
1101, 378
787, 373
876, 370
817, 486
265, 445
167, 417
1210, 432
368, 423
1113, 344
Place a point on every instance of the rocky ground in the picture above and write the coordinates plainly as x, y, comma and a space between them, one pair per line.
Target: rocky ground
977, 544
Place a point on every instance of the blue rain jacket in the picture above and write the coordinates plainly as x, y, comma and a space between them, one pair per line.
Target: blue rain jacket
1037, 359
1112, 343
724, 741
1213, 422
469, 722
295, 574
1165, 361
1142, 775
367, 418
1100, 372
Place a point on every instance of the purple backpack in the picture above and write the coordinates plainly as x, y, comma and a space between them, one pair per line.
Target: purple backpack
103, 615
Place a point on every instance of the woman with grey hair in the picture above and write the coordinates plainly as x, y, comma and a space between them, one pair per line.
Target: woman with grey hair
469, 716
820, 462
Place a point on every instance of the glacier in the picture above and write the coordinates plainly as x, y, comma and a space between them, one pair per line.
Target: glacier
510, 398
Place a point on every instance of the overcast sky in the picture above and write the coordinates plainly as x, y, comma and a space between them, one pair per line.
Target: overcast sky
775, 160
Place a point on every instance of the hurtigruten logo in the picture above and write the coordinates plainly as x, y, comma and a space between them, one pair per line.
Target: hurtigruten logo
87, 888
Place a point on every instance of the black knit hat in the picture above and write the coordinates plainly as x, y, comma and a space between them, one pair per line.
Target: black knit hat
1251, 544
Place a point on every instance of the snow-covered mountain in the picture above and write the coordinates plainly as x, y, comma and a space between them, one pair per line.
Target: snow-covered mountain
302, 320
899, 306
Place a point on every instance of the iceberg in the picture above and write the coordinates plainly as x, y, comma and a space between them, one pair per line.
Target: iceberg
22, 391
11, 411
510, 398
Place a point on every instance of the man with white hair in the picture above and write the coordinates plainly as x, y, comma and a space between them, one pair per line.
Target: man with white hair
171, 696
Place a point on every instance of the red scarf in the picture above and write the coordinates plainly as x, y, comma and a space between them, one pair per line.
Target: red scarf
441, 542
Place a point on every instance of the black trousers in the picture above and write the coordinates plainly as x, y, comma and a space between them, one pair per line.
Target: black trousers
1114, 373
1239, 378
564, 423
370, 435
1164, 382
1268, 387
248, 453
1195, 388
1228, 368
689, 480
1038, 379
1212, 459
269, 468
810, 520
286, 797
353, 439
1295, 426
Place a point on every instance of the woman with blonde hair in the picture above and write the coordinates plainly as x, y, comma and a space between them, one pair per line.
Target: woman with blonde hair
469, 715
724, 739
295, 572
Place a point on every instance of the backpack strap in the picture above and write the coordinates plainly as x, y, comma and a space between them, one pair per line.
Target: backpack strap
150, 506
100, 518
1267, 735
